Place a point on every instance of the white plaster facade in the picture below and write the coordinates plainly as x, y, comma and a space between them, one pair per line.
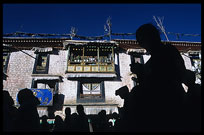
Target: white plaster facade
20, 68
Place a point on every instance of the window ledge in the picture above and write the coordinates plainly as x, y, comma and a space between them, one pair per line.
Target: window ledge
45, 77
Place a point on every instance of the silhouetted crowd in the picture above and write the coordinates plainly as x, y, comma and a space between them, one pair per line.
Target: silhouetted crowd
26, 117
158, 104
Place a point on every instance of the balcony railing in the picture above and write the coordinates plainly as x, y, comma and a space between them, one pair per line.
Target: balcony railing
91, 68
96, 59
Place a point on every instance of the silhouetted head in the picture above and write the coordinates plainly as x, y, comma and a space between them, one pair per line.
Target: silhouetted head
58, 120
122, 92
80, 109
115, 115
148, 36
103, 113
74, 115
44, 118
25, 96
68, 111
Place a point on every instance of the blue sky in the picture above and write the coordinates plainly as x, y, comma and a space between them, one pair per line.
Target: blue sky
89, 19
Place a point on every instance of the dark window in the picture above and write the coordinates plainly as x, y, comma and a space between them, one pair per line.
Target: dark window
136, 58
41, 63
5, 61
194, 56
90, 91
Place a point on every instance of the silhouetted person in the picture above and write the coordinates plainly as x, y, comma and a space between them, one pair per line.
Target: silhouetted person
44, 126
116, 122
59, 124
51, 111
67, 121
9, 112
103, 125
166, 66
74, 123
160, 93
82, 120
28, 117
127, 111
123, 92
192, 103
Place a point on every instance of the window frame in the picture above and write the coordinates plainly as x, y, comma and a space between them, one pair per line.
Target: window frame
95, 67
6, 62
55, 89
90, 100
35, 71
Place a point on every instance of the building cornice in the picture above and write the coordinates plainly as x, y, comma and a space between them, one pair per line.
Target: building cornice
180, 45
31, 40
28, 42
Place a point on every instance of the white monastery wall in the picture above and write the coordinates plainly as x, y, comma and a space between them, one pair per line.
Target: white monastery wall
58, 63
19, 70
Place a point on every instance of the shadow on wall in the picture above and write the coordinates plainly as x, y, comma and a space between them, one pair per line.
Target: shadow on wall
58, 100
117, 68
4, 76
55, 51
